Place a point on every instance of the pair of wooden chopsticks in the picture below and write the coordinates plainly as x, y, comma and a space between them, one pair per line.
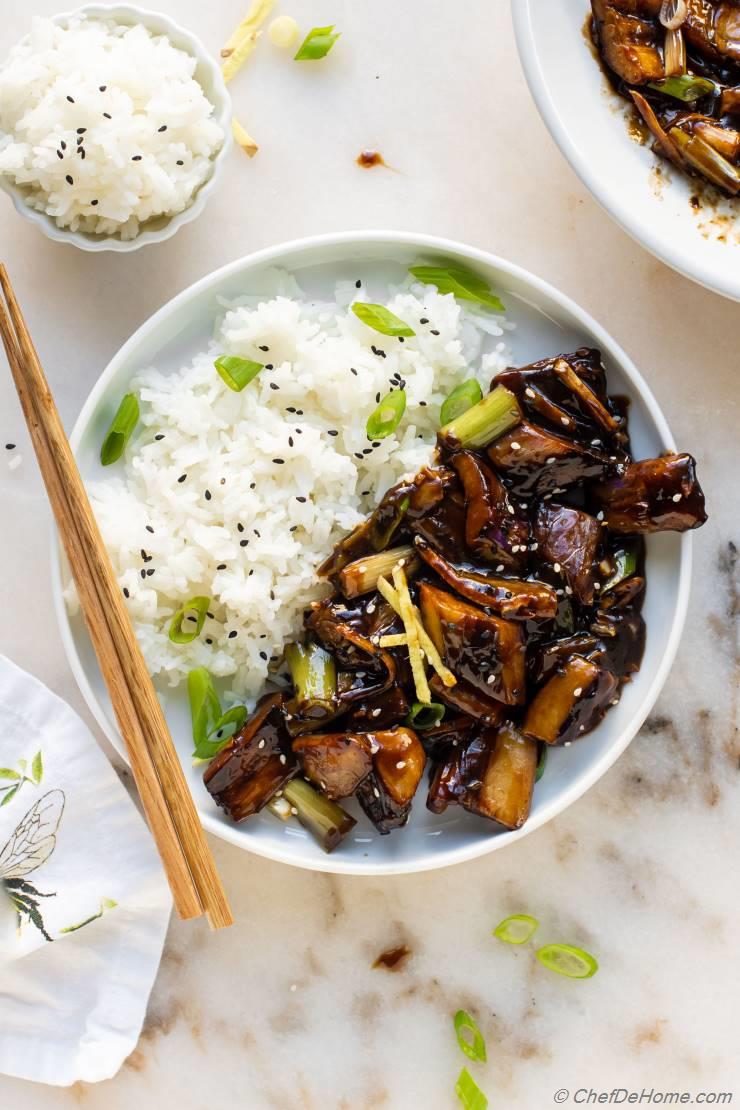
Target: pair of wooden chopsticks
173, 820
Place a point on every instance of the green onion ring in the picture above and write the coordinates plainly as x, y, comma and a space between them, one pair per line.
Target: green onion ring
121, 429
517, 929
179, 635
566, 959
475, 1047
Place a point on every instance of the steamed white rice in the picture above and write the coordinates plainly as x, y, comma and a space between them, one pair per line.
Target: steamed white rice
200, 488
125, 97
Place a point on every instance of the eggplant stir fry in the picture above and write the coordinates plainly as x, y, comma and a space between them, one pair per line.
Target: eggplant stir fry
489, 608
678, 61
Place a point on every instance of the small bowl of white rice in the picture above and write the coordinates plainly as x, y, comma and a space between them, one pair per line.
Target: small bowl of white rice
114, 126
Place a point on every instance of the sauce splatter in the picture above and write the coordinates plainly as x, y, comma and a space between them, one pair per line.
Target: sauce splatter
369, 158
393, 959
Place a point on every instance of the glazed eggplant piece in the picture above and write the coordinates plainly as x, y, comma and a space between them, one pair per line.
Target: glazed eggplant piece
655, 495
443, 527
462, 770
507, 783
511, 598
493, 528
453, 732
713, 29
629, 38
483, 650
536, 462
379, 711
466, 699
398, 765
570, 539
255, 763
337, 762
572, 701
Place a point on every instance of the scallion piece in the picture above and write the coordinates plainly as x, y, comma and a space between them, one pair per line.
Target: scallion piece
625, 565
211, 729
327, 822
480, 425
425, 716
465, 285
361, 576
517, 929
317, 44
237, 372
314, 675
193, 614
566, 959
381, 319
469, 1093
121, 429
387, 416
469, 1037
685, 88
462, 398
541, 762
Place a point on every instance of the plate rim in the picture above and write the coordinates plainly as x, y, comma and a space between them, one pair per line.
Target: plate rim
678, 260
326, 863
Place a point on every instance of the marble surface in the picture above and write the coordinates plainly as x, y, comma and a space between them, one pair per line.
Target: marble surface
285, 1010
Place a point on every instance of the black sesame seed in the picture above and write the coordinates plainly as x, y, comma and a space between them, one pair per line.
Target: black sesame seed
10, 447
207, 495
290, 441
240, 527
182, 478
210, 616
263, 655
290, 409
434, 331
269, 366
375, 443
126, 594
136, 158
299, 431
367, 450
143, 573
358, 284
377, 398
208, 641
294, 528
179, 162
63, 145
278, 462
150, 572
401, 339
162, 128
301, 500
69, 179
221, 566
256, 533
81, 130
143, 553
103, 88
159, 436
253, 485
232, 634
71, 99
274, 385
332, 432
81, 152
250, 573
243, 543
150, 529
299, 412
94, 203
263, 347
107, 115
422, 404
423, 320
193, 619
353, 371
59, 154
358, 454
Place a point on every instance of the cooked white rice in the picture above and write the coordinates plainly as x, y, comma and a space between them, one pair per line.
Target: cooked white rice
129, 101
267, 523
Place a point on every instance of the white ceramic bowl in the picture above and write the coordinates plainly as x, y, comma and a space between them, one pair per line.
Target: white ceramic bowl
547, 323
587, 120
209, 77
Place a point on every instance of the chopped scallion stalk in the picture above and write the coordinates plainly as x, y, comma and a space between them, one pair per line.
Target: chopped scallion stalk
674, 53
566, 959
121, 429
361, 576
425, 716
465, 285
387, 416
686, 87
211, 729
480, 425
541, 762
708, 161
327, 822
469, 1093
185, 635
462, 398
517, 929
237, 372
469, 1037
314, 674
317, 44
381, 319
625, 565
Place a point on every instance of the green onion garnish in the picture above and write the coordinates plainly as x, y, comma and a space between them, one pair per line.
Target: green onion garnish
625, 565
317, 44
121, 430
425, 716
469, 1093
387, 416
517, 929
462, 398
473, 1044
381, 319
211, 729
541, 762
686, 87
193, 624
237, 372
466, 285
568, 960
482, 423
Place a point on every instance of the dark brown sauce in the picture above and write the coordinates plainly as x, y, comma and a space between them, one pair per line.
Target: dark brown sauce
393, 959
587, 30
369, 158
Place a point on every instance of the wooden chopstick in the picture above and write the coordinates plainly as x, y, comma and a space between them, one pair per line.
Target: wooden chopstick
167, 801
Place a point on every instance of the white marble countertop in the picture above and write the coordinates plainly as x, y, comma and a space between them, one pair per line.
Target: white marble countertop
643, 870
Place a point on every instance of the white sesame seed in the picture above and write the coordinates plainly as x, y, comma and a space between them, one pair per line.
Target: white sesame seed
567, 743
596, 443
565, 420
556, 567
293, 986
283, 759
500, 567
614, 701
401, 764
600, 515
376, 792
261, 744
582, 728
529, 392
370, 609
578, 691
597, 585
510, 509
677, 497
376, 713
568, 591
533, 546
550, 461
515, 446
491, 679
15, 462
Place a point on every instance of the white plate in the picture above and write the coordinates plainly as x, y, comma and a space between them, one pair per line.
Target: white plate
547, 323
587, 120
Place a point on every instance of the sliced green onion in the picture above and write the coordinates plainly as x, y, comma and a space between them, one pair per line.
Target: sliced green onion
387, 416
314, 674
517, 929
237, 372
317, 44
686, 87
469, 1093
472, 1044
480, 425
465, 285
181, 635
568, 960
381, 319
625, 565
121, 430
708, 161
541, 762
361, 576
425, 716
211, 729
327, 822
462, 398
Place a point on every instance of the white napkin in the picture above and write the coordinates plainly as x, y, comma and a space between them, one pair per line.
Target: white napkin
78, 866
